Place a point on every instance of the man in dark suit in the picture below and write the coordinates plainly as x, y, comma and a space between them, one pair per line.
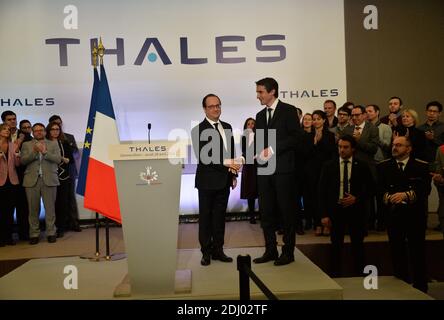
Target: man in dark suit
393, 119
405, 184
367, 142
344, 185
73, 216
277, 135
216, 172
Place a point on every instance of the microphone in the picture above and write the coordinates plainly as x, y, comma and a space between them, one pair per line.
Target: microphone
149, 129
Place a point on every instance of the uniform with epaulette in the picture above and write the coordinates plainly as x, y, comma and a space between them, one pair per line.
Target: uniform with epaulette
406, 220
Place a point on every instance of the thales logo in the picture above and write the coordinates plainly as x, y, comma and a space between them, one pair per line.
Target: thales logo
269, 48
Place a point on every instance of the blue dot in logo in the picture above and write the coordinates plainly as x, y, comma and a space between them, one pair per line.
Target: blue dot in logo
152, 57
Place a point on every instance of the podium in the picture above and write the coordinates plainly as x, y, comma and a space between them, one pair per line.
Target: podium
148, 180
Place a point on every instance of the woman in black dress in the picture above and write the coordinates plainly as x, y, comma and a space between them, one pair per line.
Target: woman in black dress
321, 147
249, 175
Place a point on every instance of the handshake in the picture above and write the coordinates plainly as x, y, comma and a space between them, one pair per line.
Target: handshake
234, 165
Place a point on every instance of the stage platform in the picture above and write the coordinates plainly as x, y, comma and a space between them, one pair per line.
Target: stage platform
44, 279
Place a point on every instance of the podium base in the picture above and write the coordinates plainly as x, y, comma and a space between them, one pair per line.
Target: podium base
94, 257
182, 284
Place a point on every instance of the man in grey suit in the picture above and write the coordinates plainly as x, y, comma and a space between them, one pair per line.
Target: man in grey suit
41, 157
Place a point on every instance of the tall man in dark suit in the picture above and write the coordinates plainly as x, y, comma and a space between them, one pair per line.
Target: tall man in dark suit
213, 145
405, 184
73, 216
278, 125
344, 185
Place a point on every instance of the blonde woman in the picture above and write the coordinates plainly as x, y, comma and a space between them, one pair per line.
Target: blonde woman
409, 119
9, 160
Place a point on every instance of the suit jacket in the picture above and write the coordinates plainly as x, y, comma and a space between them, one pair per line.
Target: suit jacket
8, 168
288, 135
71, 141
368, 143
361, 186
414, 180
50, 162
212, 175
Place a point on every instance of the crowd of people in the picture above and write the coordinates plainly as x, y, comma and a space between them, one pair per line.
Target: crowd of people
336, 171
37, 163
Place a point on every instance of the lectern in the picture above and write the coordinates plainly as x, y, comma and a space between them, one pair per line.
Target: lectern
148, 182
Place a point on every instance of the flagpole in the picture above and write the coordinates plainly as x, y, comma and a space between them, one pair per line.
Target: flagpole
117, 256
96, 257
97, 236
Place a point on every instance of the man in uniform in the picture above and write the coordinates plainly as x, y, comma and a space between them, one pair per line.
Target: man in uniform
405, 185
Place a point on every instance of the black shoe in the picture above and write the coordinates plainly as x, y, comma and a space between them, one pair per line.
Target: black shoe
283, 260
52, 239
205, 261
60, 234
221, 257
33, 240
268, 256
76, 228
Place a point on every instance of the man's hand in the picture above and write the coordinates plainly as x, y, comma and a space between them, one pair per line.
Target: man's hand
265, 154
438, 178
357, 135
348, 200
392, 120
398, 198
234, 183
234, 164
429, 135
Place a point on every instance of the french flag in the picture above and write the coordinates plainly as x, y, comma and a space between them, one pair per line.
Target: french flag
101, 189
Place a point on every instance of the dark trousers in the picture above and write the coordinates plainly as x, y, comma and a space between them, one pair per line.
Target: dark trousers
407, 246
354, 219
73, 216
277, 194
212, 210
8, 196
62, 205
22, 213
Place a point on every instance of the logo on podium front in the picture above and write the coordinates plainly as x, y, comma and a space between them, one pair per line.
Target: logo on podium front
150, 176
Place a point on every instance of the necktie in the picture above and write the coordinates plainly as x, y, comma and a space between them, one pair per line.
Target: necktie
345, 180
269, 116
221, 140
401, 166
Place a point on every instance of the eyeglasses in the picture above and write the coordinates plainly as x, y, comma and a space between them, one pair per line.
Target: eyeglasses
214, 106
356, 115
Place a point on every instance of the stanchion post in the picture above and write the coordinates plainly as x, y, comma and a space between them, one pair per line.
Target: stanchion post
97, 235
107, 257
244, 280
